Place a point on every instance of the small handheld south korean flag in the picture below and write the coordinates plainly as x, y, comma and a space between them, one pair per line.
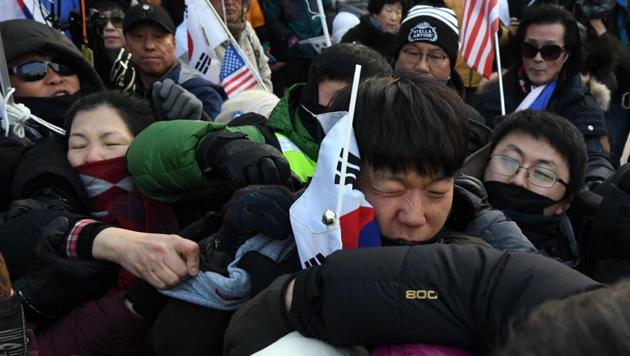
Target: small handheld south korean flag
332, 214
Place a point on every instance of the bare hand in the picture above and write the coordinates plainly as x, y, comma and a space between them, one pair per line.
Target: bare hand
161, 260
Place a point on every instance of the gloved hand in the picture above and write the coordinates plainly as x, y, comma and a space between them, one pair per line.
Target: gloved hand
470, 200
171, 101
231, 155
263, 270
146, 300
252, 210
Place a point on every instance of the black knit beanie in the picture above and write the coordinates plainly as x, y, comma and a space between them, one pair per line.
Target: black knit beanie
435, 24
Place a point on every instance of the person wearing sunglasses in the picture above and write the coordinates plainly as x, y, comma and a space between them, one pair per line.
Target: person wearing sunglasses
111, 14
546, 76
47, 71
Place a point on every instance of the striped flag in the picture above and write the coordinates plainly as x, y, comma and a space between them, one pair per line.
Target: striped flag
235, 74
479, 26
356, 226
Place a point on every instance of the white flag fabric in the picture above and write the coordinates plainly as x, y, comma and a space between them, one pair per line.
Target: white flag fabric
504, 12
23, 9
356, 227
205, 33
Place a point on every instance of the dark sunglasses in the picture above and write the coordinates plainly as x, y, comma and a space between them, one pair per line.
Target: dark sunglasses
115, 18
37, 70
549, 52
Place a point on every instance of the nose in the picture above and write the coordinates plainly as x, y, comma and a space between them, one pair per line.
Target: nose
109, 26
520, 178
149, 44
422, 66
53, 78
412, 213
538, 57
94, 154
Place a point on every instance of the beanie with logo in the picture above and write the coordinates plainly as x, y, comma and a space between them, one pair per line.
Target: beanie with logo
435, 24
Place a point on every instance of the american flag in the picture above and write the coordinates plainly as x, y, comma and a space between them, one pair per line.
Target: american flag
235, 74
479, 26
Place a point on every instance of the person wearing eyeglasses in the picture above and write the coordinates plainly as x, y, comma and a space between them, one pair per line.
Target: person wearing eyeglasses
427, 44
47, 71
535, 169
546, 77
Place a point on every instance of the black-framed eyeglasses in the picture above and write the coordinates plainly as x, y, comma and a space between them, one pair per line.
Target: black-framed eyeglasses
37, 70
548, 52
536, 175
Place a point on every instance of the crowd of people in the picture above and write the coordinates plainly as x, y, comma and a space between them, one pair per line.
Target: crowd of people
143, 211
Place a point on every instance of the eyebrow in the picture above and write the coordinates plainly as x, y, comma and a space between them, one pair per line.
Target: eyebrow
400, 177
538, 161
547, 42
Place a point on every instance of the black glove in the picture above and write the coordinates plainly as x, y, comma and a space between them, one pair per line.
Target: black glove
252, 210
470, 200
231, 155
259, 322
171, 101
263, 270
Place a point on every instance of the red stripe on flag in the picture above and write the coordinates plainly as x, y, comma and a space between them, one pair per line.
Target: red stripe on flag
479, 25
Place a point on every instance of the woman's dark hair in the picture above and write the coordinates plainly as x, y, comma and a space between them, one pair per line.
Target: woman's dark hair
550, 14
135, 112
407, 122
375, 6
558, 132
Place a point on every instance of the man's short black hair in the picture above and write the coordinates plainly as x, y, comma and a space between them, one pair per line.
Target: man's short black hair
375, 6
549, 14
337, 63
407, 122
557, 131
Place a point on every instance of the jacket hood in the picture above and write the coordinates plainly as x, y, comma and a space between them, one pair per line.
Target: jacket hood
22, 37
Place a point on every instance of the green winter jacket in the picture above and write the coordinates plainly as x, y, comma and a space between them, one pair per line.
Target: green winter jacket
163, 164
162, 158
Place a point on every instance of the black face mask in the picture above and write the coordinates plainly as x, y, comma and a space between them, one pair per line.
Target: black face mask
510, 197
51, 109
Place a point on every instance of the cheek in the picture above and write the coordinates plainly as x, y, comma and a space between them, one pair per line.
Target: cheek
438, 213
35, 89
74, 83
489, 175
441, 72
76, 157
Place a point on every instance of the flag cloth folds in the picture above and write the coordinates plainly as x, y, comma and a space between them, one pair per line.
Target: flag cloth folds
23, 9
479, 26
357, 226
203, 37
235, 74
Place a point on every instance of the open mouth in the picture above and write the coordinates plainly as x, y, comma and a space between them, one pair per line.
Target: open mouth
61, 93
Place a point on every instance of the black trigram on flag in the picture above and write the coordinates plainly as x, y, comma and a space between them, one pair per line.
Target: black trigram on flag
352, 170
318, 260
203, 63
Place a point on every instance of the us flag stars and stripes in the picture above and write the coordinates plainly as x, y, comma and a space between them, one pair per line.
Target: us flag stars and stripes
235, 75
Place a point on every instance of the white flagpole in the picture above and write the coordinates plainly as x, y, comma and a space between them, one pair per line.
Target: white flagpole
322, 18
238, 48
498, 56
346, 144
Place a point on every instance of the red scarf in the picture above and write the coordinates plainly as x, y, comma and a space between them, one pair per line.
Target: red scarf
115, 199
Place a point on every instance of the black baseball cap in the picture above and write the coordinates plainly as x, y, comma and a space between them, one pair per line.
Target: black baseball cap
148, 13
